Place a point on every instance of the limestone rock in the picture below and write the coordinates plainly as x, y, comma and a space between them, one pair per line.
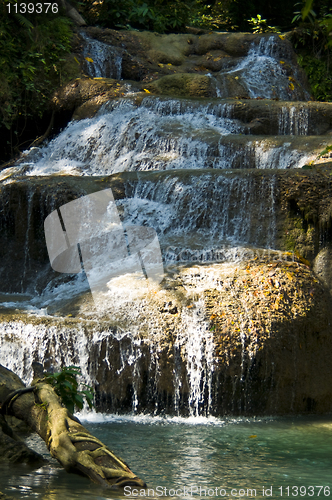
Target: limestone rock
5, 497
13, 451
185, 85
322, 266
188, 65
227, 338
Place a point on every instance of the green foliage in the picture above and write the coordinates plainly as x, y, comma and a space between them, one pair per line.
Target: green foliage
166, 16
212, 16
66, 386
162, 16
306, 10
313, 42
243, 13
320, 79
260, 25
325, 151
304, 13
32, 55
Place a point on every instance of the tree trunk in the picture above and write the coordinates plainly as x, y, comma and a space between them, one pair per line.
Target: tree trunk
67, 440
73, 13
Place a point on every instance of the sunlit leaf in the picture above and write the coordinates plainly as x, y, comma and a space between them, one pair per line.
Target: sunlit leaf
307, 9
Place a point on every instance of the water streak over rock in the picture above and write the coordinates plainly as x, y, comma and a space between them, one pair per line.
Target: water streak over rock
212, 339
172, 134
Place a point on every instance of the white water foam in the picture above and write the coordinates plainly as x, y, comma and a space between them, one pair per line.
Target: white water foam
197, 341
229, 206
158, 135
148, 419
262, 72
282, 157
56, 346
126, 137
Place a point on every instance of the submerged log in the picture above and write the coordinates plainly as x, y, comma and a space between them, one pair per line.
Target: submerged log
75, 448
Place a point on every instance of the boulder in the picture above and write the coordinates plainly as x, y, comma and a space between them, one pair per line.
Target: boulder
183, 84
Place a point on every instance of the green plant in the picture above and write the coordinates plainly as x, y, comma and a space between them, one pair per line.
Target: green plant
142, 15
33, 49
66, 386
259, 25
162, 16
313, 42
325, 151
305, 12
212, 16
275, 13
319, 76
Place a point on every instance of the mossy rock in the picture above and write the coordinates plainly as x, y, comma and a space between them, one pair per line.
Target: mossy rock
322, 266
90, 93
5, 497
166, 49
185, 84
14, 452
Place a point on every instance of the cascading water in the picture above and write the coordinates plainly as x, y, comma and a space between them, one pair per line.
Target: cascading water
153, 348
176, 207
262, 71
93, 349
294, 121
164, 135
101, 60
198, 343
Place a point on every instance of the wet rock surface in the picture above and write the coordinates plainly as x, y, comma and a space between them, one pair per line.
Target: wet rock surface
228, 338
149, 56
12, 447
14, 451
187, 65
270, 323
5, 497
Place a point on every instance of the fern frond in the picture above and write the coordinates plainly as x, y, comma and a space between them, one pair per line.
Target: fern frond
24, 21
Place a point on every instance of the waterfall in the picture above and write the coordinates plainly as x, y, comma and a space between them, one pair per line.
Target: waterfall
94, 349
101, 60
205, 207
167, 135
262, 72
294, 120
197, 341
207, 176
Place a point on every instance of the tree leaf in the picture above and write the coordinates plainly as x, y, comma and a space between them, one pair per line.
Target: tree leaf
307, 8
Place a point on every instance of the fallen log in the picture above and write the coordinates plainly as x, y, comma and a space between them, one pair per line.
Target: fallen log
75, 448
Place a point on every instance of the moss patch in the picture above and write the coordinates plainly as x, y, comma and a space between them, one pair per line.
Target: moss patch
183, 85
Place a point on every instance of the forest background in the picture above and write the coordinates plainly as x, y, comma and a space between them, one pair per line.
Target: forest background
34, 47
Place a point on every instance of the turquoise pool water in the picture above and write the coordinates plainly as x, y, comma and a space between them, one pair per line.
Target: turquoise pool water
196, 458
